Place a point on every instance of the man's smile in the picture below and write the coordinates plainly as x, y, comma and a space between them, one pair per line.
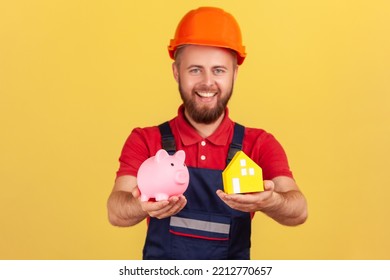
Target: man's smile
205, 94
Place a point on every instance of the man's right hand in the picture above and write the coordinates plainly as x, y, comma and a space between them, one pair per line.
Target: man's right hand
161, 209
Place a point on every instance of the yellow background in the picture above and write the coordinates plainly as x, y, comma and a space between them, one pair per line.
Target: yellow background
77, 76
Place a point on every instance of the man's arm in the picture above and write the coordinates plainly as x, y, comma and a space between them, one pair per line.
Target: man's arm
281, 200
125, 209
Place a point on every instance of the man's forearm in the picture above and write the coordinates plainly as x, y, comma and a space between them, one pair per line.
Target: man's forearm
124, 210
290, 208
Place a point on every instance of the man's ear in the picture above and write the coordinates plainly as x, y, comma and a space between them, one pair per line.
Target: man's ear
235, 74
175, 71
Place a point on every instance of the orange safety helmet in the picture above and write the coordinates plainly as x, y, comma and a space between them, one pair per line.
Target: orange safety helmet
209, 26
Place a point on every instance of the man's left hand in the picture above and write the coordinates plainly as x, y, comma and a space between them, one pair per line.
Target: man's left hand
251, 202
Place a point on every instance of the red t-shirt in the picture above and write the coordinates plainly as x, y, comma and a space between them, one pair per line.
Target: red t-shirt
210, 152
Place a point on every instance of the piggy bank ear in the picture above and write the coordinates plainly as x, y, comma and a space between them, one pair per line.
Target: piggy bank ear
180, 155
161, 154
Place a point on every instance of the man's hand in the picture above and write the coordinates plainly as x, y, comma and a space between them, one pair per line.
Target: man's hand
281, 200
161, 209
251, 202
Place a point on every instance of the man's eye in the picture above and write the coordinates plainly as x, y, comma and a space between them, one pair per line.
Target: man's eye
195, 70
219, 71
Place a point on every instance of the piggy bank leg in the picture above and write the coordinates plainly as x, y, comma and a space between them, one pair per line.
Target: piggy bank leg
144, 197
161, 196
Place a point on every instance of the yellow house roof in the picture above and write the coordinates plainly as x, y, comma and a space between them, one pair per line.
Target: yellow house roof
242, 175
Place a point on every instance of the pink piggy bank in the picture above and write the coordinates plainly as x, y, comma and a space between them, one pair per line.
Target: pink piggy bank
162, 176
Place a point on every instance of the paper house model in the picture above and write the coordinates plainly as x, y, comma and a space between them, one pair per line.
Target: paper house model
242, 175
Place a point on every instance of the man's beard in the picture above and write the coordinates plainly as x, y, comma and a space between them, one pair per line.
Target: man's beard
204, 114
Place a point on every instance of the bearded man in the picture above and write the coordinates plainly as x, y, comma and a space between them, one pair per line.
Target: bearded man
205, 222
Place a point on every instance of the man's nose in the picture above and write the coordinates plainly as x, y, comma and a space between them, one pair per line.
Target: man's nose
208, 78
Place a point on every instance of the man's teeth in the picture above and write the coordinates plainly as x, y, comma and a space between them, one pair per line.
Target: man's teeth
206, 94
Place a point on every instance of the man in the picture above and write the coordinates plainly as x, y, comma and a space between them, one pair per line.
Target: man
205, 222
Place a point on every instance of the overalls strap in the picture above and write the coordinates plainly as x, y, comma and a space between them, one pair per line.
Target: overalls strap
167, 139
236, 145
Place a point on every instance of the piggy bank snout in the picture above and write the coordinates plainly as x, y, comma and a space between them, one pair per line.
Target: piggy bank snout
181, 177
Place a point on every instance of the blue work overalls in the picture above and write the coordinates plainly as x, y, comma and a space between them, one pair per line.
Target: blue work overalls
206, 228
